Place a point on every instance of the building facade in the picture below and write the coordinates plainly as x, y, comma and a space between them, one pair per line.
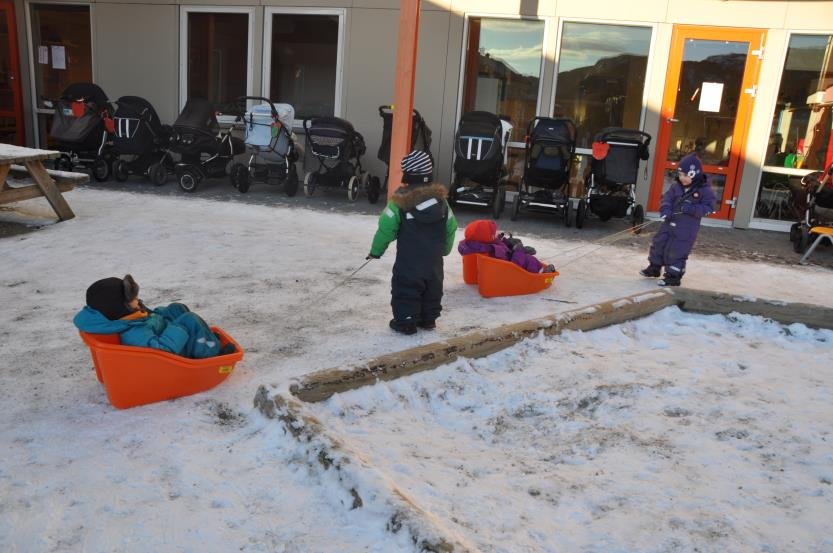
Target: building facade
751, 80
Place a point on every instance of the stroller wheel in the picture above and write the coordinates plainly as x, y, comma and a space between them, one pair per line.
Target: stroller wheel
101, 170
120, 170
374, 190
353, 189
240, 177
516, 207
803, 242
498, 202
638, 217
310, 182
189, 180
581, 211
158, 174
290, 185
569, 214
795, 232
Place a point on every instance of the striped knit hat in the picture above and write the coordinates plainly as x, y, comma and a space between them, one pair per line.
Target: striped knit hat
417, 168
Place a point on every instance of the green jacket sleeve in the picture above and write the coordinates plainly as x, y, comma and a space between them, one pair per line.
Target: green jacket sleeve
450, 232
388, 230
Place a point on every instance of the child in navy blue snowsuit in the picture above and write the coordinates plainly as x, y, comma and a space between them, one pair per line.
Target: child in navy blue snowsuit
683, 205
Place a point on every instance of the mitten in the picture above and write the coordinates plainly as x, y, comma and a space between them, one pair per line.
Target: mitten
371, 256
530, 250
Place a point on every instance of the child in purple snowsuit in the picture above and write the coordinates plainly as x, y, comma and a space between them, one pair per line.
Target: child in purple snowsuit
482, 237
683, 205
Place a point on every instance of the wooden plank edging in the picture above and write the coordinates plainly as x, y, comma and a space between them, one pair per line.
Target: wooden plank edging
320, 385
424, 528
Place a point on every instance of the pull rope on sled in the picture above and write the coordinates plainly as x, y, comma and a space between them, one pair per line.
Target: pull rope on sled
346, 280
602, 241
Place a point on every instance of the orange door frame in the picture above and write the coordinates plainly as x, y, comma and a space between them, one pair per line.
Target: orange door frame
403, 97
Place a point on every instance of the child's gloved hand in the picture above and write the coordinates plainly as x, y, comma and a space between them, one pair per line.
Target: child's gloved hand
687, 208
530, 250
371, 256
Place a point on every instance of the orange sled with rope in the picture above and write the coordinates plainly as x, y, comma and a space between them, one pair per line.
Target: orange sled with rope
135, 376
496, 278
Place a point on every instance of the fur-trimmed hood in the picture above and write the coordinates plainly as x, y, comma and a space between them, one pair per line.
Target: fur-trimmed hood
408, 197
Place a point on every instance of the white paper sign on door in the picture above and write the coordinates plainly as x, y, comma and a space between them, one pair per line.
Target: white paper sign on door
710, 96
43, 55
59, 57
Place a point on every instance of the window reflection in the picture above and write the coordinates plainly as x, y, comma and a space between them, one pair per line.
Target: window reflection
601, 76
304, 59
503, 69
218, 45
800, 136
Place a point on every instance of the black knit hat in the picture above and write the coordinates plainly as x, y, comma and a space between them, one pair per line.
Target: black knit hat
110, 296
418, 168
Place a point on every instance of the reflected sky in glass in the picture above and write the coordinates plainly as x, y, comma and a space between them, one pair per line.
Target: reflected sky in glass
515, 41
584, 44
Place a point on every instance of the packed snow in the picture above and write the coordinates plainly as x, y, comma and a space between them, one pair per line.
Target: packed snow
677, 432
207, 473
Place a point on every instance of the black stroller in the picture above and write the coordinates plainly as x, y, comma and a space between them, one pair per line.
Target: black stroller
337, 148
80, 129
143, 139
814, 201
420, 137
614, 171
196, 132
480, 149
269, 137
548, 157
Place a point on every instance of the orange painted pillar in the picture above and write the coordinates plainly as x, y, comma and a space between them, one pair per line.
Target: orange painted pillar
403, 96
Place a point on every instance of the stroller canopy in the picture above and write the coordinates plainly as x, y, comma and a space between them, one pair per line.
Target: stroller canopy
135, 107
88, 92
480, 124
561, 130
619, 134
420, 133
198, 114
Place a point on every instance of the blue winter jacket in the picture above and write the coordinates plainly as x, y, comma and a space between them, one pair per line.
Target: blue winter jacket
157, 330
684, 206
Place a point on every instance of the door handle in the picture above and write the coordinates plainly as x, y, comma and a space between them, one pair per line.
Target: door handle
672, 120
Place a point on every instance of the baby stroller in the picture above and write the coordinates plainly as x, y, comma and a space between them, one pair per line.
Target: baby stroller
196, 132
337, 148
141, 136
480, 152
614, 171
815, 202
80, 129
548, 157
420, 137
269, 136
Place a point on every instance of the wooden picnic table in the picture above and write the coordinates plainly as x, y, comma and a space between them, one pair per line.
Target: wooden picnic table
28, 162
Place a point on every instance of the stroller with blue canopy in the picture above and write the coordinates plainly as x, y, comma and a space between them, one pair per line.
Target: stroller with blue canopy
268, 136
548, 157
611, 192
480, 153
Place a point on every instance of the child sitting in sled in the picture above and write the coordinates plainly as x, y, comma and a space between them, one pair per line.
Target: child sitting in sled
113, 307
482, 237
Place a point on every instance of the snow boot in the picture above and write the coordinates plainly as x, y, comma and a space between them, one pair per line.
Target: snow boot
651, 271
427, 325
669, 280
403, 327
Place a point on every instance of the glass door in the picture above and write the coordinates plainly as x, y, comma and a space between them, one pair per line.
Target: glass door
709, 90
11, 106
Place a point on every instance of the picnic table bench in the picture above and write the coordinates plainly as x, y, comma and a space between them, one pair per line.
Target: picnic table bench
25, 163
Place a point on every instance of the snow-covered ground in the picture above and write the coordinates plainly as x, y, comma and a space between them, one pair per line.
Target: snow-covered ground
206, 473
676, 432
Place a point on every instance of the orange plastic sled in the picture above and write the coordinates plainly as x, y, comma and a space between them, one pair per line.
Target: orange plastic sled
136, 376
495, 277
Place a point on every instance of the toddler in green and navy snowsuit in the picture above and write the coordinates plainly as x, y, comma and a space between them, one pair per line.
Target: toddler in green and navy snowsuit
419, 219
